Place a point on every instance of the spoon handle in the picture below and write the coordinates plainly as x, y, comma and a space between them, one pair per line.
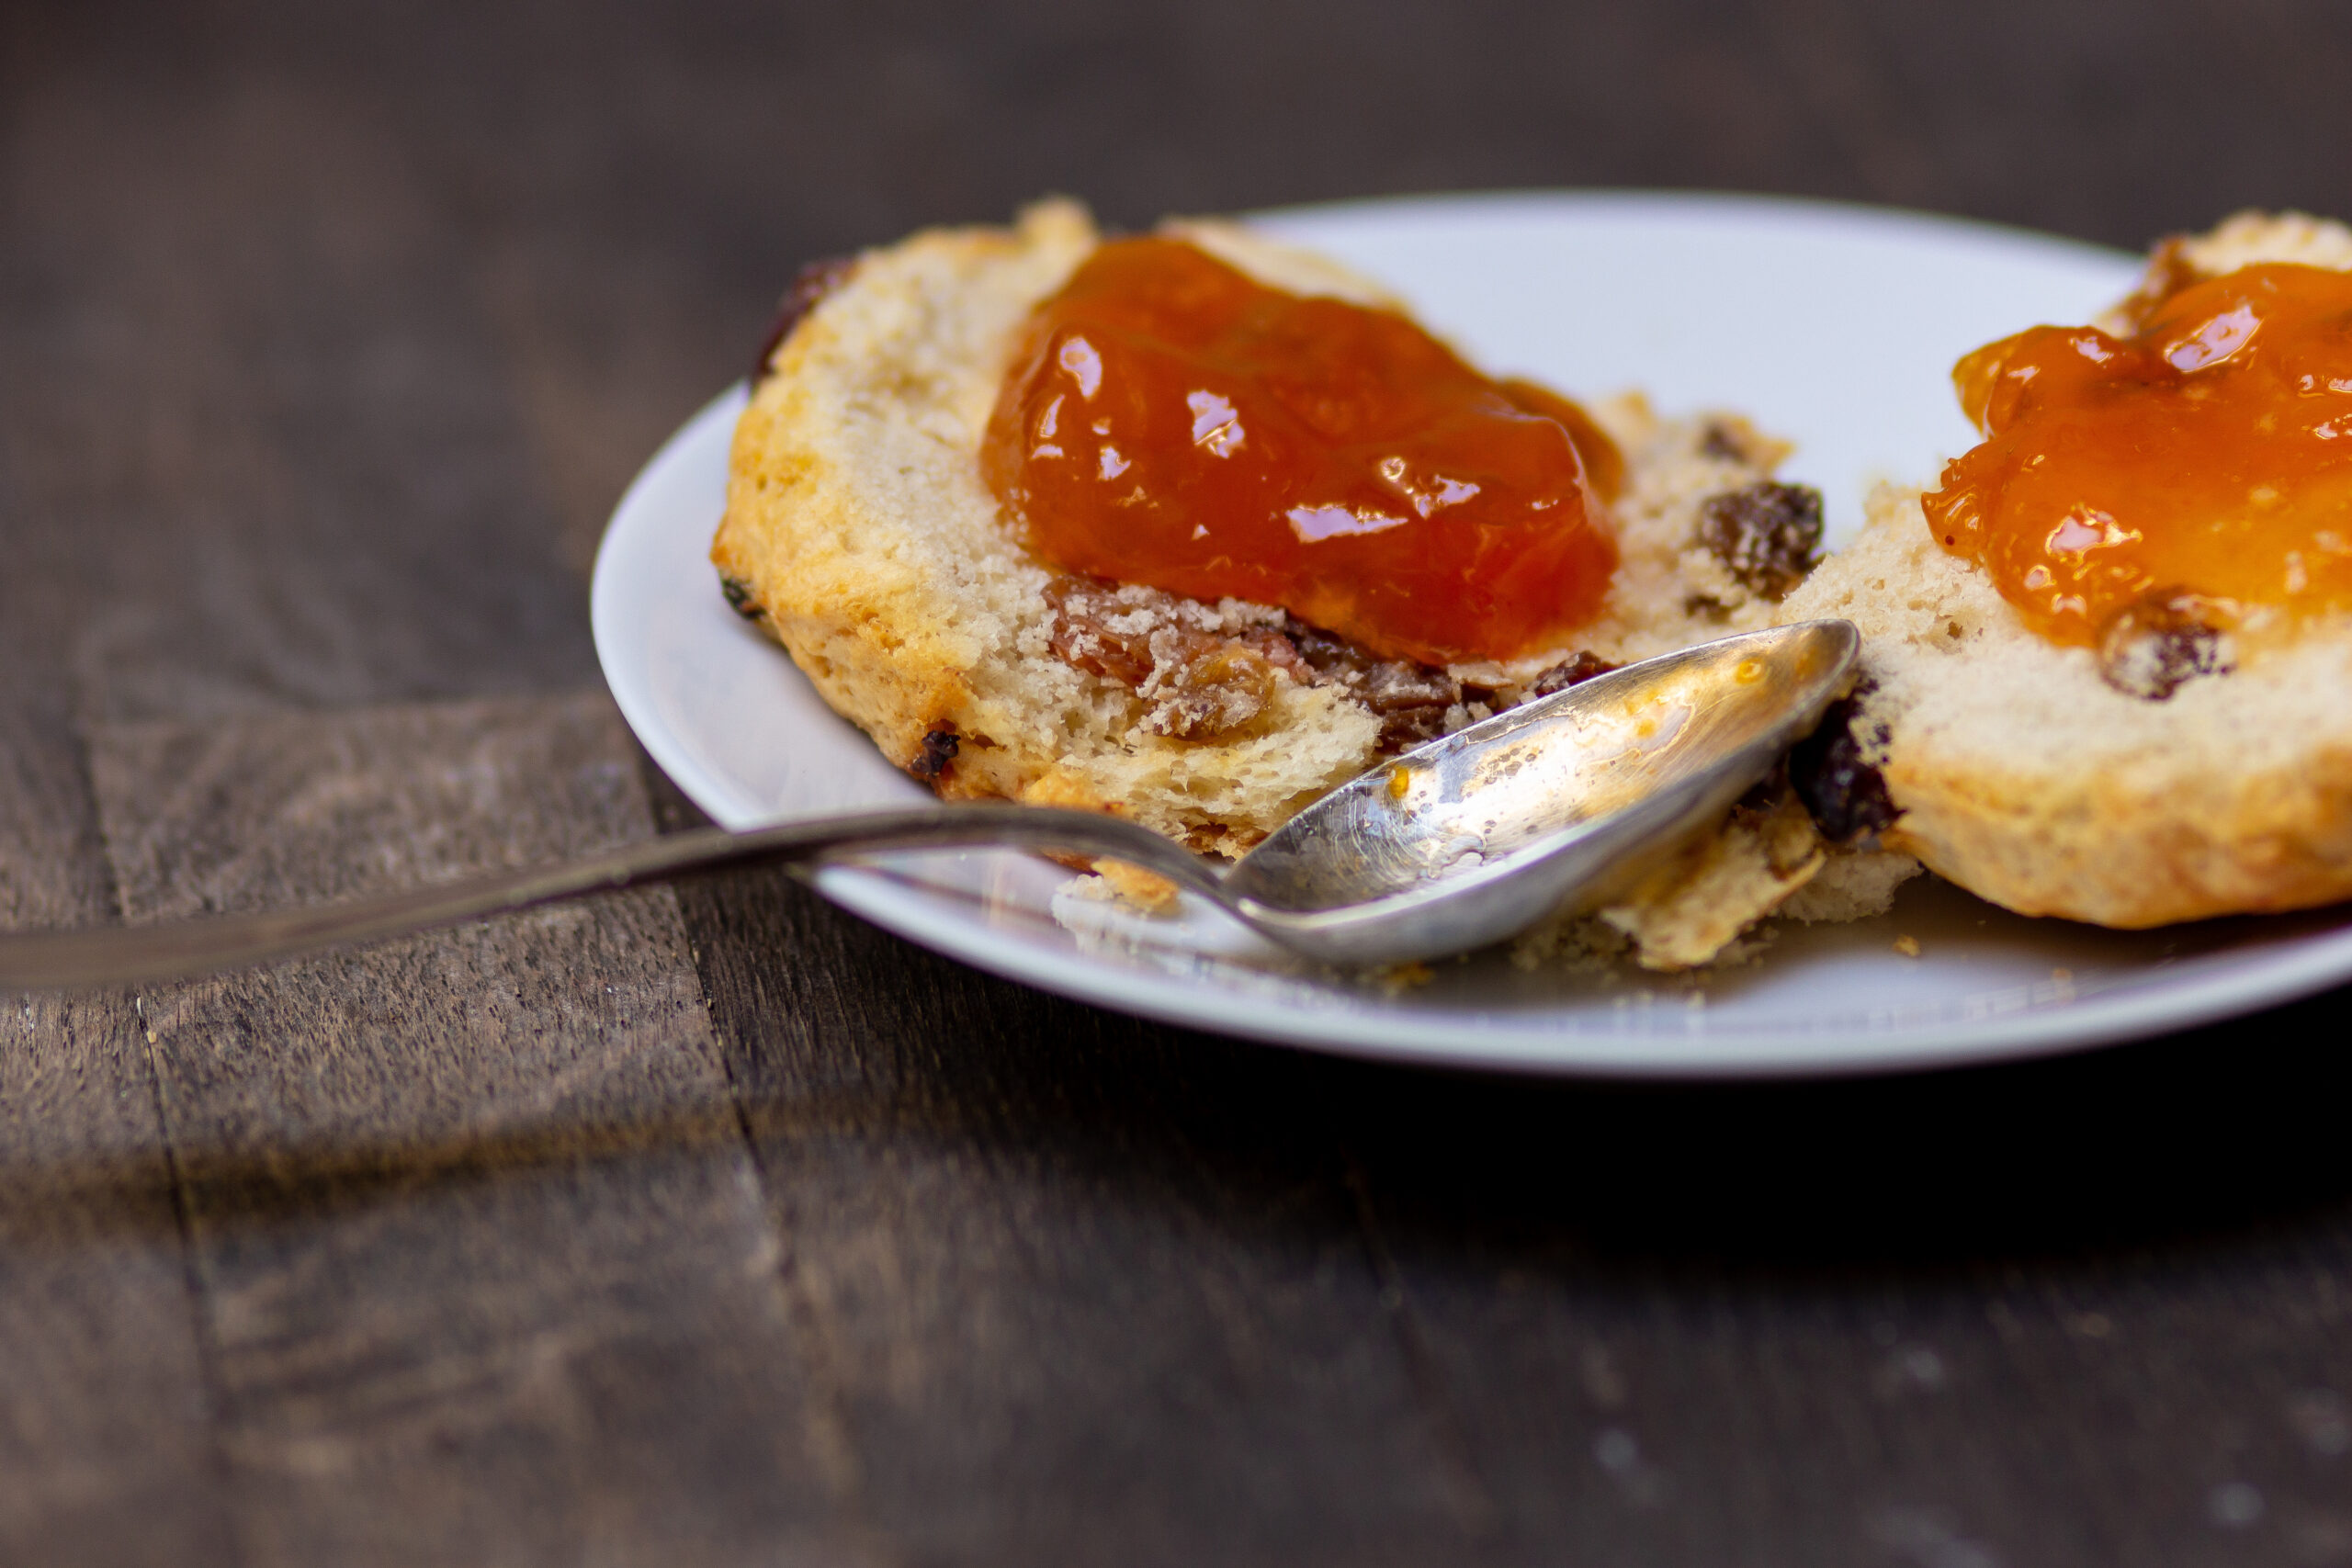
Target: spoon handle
120, 956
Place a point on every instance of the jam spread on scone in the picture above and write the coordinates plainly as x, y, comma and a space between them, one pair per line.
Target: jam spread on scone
2143, 493
1171, 421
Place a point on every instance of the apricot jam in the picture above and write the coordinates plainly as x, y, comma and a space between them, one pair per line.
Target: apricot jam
1170, 421
2205, 457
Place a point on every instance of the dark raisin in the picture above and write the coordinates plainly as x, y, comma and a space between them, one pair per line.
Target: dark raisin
1401, 729
1393, 684
1765, 793
1278, 651
2159, 643
1769, 535
1080, 634
1571, 671
1208, 685
1845, 794
1723, 443
1331, 658
1214, 694
1410, 701
738, 597
815, 281
938, 750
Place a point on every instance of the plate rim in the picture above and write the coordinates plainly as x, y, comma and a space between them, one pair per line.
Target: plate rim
2207, 988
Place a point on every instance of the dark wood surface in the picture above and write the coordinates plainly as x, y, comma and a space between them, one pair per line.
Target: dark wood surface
713, 1226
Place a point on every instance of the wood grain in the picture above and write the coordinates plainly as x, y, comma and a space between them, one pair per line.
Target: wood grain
484, 1264
107, 1452
1074, 1302
258, 405
108, 1447
1885, 1322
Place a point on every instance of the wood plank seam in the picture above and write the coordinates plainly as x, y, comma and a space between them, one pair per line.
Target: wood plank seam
202, 1331
89, 1188
834, 1443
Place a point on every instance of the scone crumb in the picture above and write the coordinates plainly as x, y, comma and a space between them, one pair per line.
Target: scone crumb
1397, 978
1087, 887
1576, 945
1688, 912
1146, 890
1908, 945
1852, 885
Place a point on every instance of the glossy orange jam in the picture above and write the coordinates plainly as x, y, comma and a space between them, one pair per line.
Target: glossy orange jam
1170, 421
2209, 452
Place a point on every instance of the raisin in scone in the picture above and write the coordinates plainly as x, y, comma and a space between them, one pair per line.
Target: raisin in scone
861, 534
2154, 722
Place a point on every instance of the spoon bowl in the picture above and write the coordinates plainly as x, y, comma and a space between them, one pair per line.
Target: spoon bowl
1559, 802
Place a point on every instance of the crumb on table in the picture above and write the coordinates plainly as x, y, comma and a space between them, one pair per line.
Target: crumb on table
1146, 890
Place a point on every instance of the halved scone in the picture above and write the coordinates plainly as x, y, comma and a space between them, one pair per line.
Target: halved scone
860, 534
2175, 771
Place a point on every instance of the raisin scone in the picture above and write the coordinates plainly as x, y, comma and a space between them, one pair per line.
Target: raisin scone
860, 534
2188, 755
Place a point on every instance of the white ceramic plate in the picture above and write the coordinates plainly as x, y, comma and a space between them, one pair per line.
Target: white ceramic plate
1833, 325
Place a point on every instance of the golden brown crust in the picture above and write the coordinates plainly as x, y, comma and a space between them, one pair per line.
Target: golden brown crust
2131, 856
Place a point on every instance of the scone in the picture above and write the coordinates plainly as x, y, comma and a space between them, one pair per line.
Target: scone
861, 534
2190, 752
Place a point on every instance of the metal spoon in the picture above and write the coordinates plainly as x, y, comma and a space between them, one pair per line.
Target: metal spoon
1453, 845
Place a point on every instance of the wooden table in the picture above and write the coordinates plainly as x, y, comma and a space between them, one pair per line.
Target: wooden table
715, 1226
